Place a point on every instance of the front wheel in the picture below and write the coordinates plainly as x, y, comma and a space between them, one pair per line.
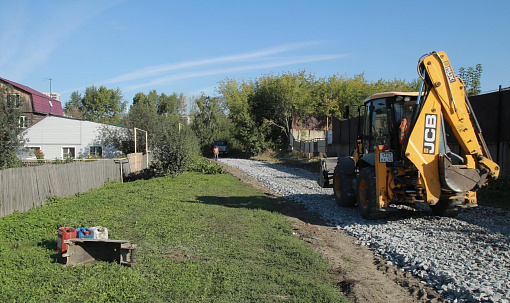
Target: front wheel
367, 199
342, 187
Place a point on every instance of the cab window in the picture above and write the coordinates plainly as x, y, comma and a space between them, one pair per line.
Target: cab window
376, 126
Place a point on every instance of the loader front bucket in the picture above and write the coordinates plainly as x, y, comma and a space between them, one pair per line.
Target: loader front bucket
327, 169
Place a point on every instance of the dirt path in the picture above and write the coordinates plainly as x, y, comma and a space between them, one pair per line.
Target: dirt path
359, 274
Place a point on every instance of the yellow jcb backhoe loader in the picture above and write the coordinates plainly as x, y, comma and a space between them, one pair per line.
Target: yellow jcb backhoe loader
401, 154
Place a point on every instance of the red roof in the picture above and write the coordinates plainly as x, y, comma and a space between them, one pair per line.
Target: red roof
42, 103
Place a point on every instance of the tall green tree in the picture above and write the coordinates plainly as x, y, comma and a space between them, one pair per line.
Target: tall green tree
73, 107
236, 96
262, 111
11, 134
471, 77
167, 104
210, 121
97, 105
143, 115
279, 98
172, 142
182, 104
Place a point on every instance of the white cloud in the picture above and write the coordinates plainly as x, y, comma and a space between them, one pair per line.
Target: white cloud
276, 62
163, 68
268, 58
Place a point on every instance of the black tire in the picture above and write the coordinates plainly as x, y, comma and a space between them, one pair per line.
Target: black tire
367, 199
343, 190
446, 208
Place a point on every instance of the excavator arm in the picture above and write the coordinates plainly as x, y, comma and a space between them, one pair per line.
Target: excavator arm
444, 99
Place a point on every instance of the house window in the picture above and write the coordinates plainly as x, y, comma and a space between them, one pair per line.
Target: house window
13, 100
96, 151
23, 121
68, 152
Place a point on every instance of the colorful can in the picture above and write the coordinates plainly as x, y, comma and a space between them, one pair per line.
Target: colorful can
99, 232
65, 233
84, 233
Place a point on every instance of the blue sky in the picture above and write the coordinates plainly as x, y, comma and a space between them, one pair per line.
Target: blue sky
189, 46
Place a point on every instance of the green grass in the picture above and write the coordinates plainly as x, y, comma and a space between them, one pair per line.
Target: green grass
201, 238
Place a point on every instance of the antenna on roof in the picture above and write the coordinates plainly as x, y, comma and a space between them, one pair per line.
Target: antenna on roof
50, 85
51, 96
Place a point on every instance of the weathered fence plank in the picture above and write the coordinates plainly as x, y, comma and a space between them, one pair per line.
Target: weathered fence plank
26, 187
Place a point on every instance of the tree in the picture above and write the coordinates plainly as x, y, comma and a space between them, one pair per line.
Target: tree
97, 105
143, 114
236, 96
181, 104
262, 111
11, 134
171, 142
277, 99
167, 104
72, 107
210, 121
471, 77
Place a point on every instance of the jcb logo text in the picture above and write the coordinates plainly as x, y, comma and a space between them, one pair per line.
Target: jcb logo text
429, 138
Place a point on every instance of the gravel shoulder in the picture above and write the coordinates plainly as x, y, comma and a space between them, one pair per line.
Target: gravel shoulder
410, 257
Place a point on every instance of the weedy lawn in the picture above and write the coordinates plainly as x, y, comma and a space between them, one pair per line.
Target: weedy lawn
201, 238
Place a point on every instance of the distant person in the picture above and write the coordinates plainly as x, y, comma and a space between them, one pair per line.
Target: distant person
216, 152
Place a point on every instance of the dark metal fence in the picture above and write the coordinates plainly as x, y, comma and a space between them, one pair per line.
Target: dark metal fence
492, 112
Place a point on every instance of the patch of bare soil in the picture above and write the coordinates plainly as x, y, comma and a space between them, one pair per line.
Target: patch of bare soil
360, 275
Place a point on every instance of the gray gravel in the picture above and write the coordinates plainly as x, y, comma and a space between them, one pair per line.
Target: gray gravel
466, 259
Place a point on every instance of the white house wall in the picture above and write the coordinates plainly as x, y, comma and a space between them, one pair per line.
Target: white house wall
53, 133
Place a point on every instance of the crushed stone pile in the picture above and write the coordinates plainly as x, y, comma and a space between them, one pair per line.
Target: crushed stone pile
466, 259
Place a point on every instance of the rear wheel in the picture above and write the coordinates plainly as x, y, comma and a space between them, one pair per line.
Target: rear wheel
367, 199
446, 207
342, 187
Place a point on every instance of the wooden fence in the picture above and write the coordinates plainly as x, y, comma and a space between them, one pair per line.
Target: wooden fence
26, 187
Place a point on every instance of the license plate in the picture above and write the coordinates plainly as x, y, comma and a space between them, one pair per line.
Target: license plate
386, 157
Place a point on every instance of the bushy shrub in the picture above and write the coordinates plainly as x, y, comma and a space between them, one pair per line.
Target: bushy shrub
9, 161
205, 166
174, 148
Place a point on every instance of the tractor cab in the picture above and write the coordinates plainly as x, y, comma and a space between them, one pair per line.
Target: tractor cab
387, 121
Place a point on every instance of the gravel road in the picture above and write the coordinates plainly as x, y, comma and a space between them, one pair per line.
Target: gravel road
466, 259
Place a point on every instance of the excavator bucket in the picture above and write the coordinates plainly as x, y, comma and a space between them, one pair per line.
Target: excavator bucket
458, 178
